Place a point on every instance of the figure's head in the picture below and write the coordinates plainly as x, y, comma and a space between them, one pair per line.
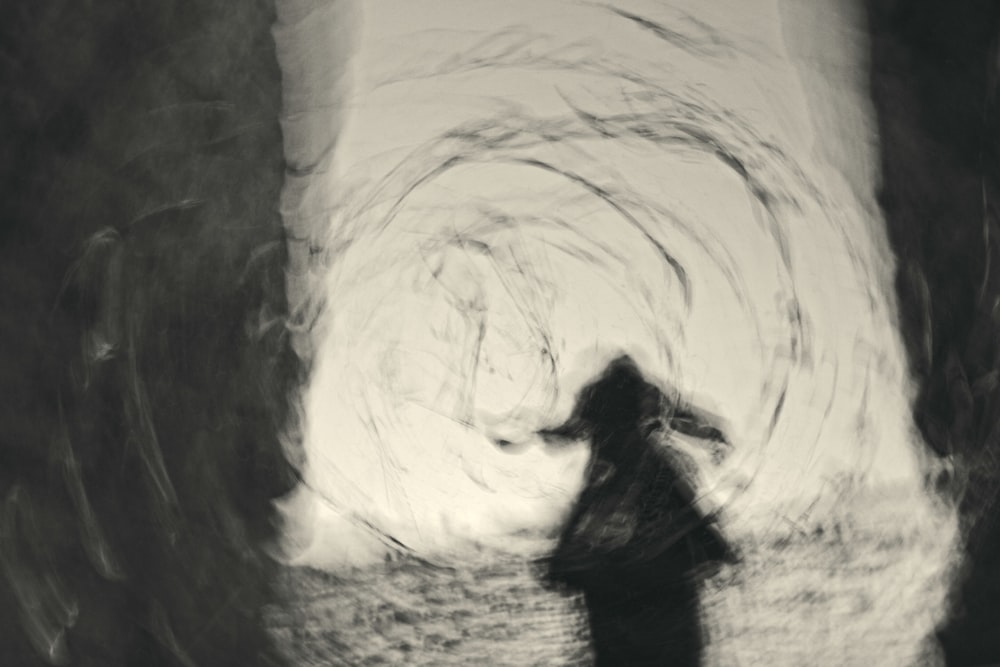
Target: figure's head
619, 398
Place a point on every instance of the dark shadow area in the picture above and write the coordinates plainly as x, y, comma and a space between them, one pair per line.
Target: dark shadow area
635, 544
933, 81
143, 359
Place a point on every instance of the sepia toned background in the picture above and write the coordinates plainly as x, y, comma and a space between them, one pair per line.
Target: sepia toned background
165, 264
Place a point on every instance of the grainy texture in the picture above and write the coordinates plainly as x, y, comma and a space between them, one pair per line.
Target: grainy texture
866, 589
144, 367
934, 74
859, 591
408, 612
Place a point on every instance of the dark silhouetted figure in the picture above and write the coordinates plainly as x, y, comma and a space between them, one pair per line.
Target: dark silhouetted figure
635, 544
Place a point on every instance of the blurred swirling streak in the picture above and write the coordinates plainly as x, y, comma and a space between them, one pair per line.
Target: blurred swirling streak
617, 199
934, 82
145, 367
504, 180
159, 321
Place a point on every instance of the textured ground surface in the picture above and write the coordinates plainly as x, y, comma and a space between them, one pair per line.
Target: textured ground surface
864, 590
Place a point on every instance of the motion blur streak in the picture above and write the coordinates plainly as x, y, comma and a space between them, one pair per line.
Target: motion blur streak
519, 195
